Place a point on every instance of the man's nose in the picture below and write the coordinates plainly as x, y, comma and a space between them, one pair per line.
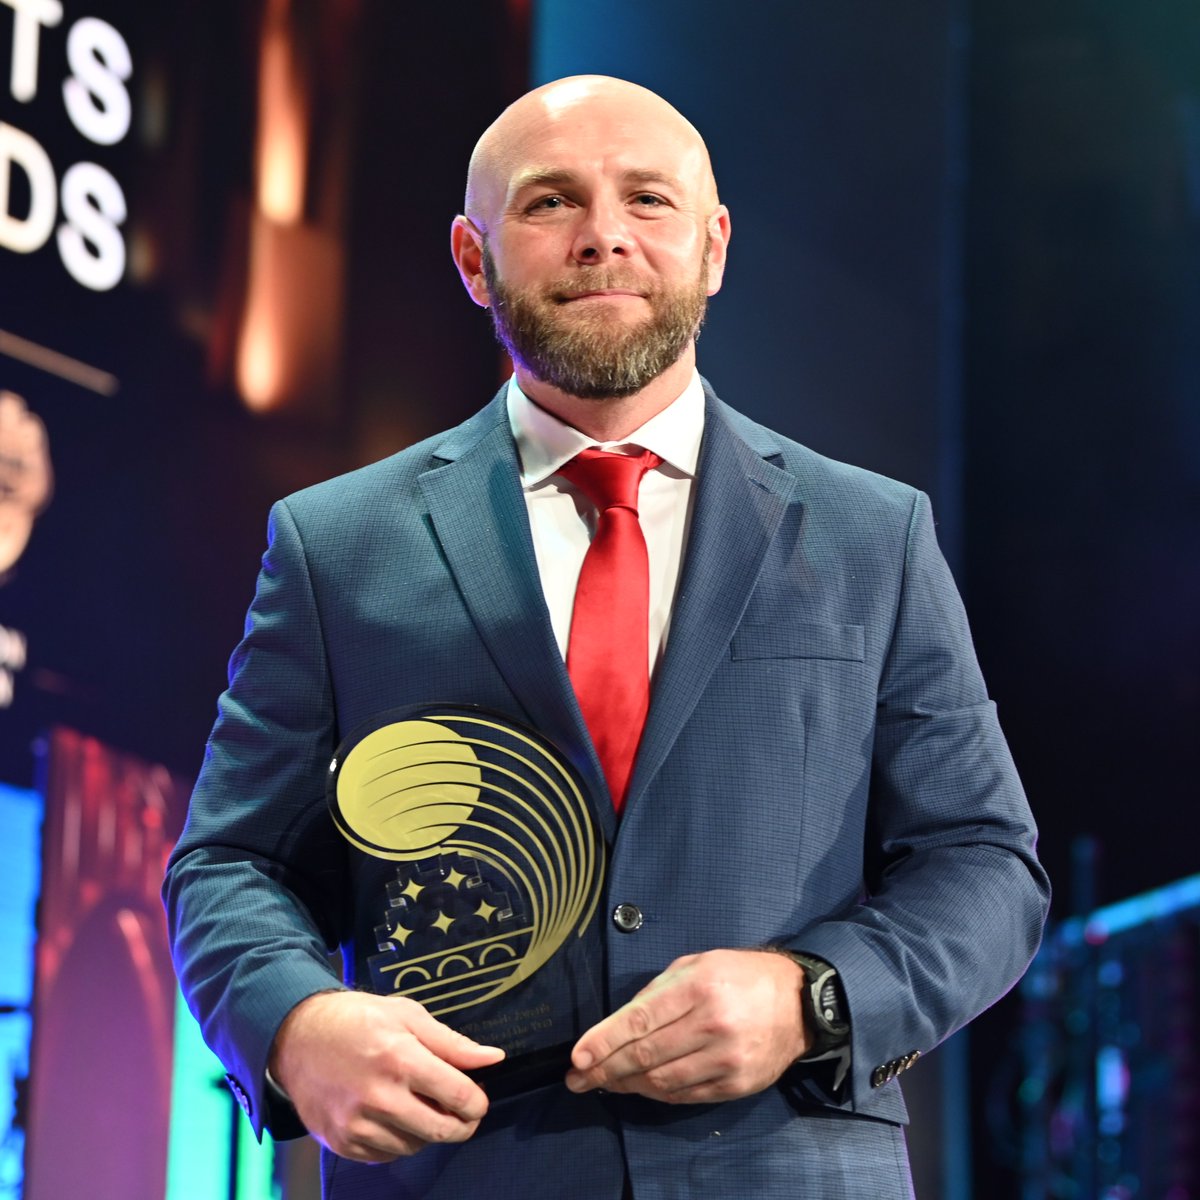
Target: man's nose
602, 234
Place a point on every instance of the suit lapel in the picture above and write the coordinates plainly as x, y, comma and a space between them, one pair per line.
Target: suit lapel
481, 521
740, 501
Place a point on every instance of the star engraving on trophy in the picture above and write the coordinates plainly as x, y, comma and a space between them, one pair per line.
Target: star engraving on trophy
445, 898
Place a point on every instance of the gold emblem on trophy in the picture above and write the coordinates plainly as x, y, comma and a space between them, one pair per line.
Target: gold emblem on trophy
498, 860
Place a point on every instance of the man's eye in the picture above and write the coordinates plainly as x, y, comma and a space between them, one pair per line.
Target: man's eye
648, 200
550, 202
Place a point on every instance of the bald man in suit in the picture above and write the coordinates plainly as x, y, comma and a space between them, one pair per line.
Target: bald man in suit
823, 862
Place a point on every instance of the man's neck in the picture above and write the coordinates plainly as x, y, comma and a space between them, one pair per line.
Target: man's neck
612, 420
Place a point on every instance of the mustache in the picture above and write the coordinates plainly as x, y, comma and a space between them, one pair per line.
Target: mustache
597, 279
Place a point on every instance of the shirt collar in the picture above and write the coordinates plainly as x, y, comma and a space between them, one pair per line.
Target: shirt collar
544, 443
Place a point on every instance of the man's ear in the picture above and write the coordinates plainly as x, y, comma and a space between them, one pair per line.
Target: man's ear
718, 248
466, 247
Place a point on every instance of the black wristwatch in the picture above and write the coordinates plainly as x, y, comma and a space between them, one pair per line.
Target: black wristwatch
822, 1005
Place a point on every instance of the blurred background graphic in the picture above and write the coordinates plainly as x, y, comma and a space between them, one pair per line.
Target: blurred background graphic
966, 254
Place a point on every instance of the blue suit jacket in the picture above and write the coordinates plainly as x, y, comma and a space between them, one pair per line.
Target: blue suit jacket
821, 769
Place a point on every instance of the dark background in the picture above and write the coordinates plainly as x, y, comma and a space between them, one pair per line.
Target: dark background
966, 253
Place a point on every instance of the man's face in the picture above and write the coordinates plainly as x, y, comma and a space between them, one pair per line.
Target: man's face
600, 237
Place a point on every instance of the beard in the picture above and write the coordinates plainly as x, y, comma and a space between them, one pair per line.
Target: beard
590, 354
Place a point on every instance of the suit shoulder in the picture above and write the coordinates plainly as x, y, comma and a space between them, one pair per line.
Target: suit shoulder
391, 480
824, 479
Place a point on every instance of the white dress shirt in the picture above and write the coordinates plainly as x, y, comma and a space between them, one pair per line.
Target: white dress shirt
563, 520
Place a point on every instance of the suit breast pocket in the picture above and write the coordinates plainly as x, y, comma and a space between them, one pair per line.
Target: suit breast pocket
799, 639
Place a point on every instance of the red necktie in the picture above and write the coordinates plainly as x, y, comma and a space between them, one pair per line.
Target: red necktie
608, 653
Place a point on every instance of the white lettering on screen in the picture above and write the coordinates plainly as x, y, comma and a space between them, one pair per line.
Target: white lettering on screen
97, 101
28, 18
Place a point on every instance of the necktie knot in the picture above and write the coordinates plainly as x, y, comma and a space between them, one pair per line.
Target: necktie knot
609, 480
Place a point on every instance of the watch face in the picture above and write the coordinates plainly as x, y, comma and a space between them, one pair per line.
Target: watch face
823, 1007
829, 1006
826, 1005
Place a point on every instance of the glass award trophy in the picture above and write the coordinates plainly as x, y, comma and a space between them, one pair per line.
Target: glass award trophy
488, 884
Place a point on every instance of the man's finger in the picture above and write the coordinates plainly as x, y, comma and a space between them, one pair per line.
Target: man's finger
448, 1044
635, 1059
413, 1115
377, 1143
655, 1006
435, 1082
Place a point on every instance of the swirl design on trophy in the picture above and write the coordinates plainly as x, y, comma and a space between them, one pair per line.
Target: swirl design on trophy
498, 861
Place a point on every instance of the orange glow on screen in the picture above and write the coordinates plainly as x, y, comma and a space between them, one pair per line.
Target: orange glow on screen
259, 366
288, 344
282, 156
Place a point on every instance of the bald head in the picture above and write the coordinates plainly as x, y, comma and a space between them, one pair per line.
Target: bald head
602, 114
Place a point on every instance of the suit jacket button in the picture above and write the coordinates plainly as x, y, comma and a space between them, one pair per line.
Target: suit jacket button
239, 1093
627, 917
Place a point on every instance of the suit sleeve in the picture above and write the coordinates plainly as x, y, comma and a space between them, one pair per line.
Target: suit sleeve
254, 886
955, 897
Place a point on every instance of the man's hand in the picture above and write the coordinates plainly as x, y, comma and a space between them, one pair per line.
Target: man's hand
712, 1026
376, 1077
